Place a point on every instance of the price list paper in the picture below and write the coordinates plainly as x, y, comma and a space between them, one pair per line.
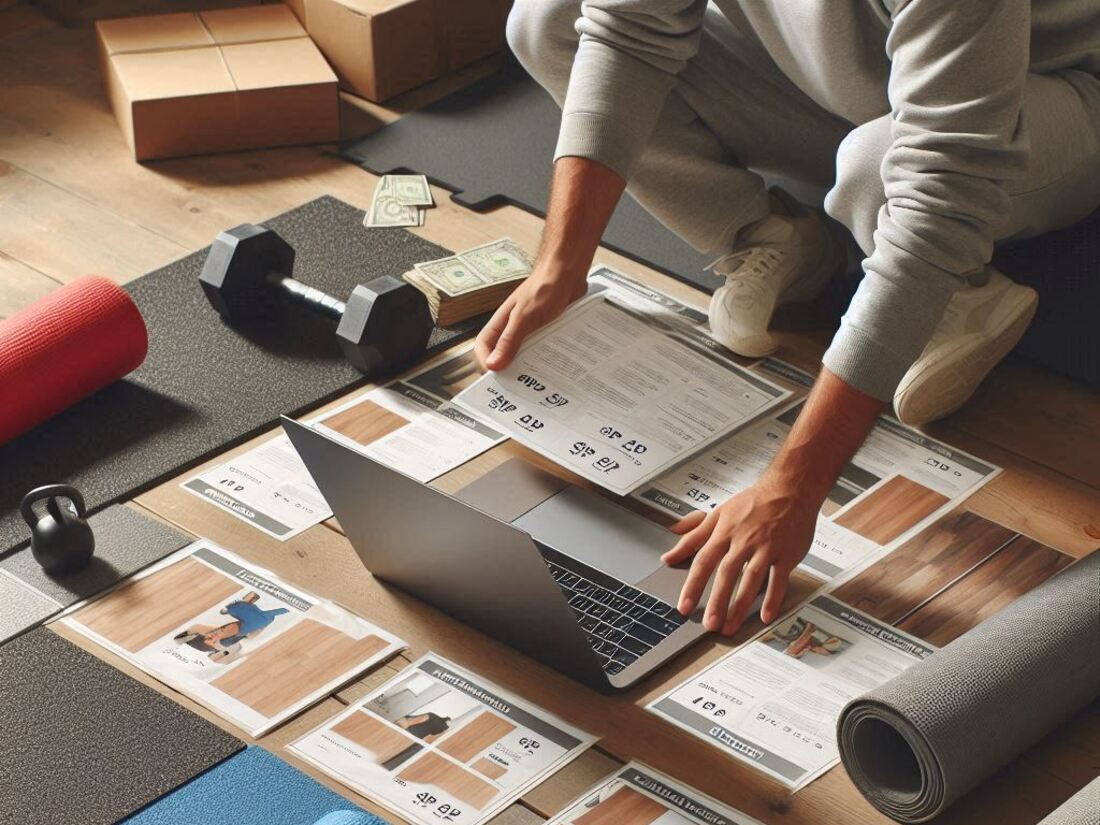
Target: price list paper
617, 399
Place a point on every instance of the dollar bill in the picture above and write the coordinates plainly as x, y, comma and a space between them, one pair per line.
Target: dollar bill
411, 190
387, 211
451, 275
498, 261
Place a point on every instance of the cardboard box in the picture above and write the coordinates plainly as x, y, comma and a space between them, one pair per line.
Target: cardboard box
381, 48
216, 81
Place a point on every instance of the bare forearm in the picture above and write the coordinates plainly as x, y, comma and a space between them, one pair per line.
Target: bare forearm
582, 197
831, 427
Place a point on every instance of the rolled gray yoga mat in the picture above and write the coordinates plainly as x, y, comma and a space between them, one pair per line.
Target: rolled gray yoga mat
1083, 808
917, 743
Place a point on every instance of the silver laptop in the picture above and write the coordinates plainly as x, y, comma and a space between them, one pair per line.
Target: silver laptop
560, 573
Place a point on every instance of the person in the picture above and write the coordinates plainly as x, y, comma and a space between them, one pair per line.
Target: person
938, 128
223, 643
426, 726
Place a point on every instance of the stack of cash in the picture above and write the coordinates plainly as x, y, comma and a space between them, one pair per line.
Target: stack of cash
399, 200
471, 282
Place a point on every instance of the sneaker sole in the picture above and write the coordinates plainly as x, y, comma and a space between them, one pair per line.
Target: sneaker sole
949, 382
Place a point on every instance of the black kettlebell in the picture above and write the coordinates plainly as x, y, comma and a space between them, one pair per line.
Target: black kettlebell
61, 541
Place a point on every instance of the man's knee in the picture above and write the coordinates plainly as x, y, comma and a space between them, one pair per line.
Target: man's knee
542, 36
858, 194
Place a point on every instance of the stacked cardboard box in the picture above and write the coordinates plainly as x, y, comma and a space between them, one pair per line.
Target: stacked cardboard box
381, 48
214, 81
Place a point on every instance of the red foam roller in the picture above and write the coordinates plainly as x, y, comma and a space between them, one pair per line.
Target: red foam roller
63, 348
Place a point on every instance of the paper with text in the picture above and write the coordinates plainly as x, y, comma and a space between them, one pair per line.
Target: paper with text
440, 744
233, 636
774, 701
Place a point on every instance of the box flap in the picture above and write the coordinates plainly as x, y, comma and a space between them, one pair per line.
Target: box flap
277, 63
159, 31
371, 8
252, 24
171, 74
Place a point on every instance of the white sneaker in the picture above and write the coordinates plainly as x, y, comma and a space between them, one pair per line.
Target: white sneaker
978, 329
779, 259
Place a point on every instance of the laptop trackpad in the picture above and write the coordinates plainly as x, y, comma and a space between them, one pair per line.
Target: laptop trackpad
510, 490
599, 533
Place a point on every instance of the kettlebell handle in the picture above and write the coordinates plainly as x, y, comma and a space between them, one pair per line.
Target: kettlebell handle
50, 491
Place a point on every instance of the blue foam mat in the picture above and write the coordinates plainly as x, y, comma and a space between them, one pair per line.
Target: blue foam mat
253, 788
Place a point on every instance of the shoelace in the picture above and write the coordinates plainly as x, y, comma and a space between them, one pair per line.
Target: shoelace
758, 259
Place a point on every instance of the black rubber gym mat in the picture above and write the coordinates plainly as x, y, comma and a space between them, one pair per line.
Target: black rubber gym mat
83, 743
205, 386
125, 542
493, 142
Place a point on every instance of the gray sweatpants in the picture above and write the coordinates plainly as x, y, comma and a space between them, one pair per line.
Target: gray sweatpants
733, 113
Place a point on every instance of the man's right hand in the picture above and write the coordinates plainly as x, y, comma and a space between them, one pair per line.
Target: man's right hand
583, 195
535, 303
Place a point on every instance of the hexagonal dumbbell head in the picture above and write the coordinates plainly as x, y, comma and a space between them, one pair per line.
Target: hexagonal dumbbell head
385, 327
237, 271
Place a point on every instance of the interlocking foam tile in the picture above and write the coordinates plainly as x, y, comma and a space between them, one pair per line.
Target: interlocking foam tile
253, 788
125, 541
206, 386
83, 744
20, 607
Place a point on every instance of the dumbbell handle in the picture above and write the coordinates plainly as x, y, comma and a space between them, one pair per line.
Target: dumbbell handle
310, 297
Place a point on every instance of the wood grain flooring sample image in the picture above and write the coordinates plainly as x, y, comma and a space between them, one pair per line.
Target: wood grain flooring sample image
365, 423
624, 807
1017, 568
921, 567
489, 768
145, 610
474, 737
379, 739
295, 664
432, 769
233, 637
888, 511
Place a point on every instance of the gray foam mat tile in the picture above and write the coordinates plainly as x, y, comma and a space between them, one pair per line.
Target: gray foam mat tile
82, 743
494, 142
125, 542
206, 386
20, 607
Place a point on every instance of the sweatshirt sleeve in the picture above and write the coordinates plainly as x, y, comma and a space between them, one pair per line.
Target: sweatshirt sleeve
958, 71
629, 54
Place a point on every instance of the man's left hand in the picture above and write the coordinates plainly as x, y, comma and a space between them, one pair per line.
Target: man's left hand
761, 533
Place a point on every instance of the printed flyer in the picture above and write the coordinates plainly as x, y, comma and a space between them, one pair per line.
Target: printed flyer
233, 637
774, 701
638, 795
439, 744
268, 487
411, 425
618, 399
898, 481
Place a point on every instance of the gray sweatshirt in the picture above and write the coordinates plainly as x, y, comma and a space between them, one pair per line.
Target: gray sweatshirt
953, 72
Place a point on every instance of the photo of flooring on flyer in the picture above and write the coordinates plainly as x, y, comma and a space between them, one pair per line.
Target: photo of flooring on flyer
639, 795
232, 636
411, 425
437, 743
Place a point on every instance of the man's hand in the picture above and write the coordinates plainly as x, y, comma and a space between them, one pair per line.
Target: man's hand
583, 194
761, 534
535, 303
764, 531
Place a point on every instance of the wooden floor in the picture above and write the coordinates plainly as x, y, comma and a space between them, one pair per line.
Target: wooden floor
72, 201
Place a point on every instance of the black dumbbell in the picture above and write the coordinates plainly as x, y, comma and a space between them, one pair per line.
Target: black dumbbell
383, 326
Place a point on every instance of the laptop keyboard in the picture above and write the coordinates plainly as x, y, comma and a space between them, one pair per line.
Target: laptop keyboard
621, 621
